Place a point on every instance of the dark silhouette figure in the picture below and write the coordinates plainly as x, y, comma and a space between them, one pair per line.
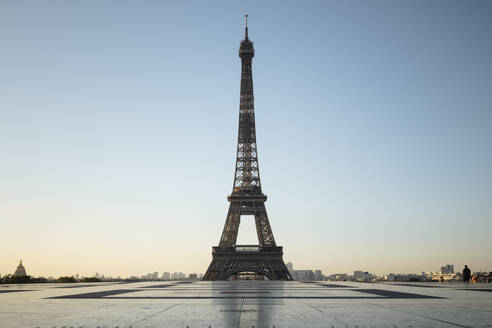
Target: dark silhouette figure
466, 274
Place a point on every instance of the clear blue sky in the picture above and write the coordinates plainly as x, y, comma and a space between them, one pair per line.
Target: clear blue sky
118, 127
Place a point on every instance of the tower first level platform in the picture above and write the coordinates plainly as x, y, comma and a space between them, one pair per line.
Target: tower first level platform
263, 260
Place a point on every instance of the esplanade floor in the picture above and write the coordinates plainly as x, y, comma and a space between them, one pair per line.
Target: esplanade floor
246, 304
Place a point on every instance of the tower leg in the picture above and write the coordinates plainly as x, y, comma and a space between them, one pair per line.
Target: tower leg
231, 227
263, 229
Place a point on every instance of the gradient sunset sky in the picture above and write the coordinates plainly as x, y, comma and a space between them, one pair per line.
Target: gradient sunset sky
118, 127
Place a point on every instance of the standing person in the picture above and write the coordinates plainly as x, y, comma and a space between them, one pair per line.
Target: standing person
466, 274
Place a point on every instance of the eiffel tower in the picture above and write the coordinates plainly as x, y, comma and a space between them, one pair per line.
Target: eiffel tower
264, 259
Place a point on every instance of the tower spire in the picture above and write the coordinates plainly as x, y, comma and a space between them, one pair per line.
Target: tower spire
246, 31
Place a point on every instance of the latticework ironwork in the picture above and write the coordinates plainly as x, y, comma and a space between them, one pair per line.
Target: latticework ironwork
247, 197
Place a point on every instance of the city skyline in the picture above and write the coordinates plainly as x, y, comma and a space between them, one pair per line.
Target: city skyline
373, 121
446, 270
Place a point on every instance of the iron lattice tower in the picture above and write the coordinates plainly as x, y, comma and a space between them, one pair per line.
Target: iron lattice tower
247, 197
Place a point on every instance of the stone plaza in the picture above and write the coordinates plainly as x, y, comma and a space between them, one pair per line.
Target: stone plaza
245, 304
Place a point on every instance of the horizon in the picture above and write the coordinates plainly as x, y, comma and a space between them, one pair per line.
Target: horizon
161, 273
118, 134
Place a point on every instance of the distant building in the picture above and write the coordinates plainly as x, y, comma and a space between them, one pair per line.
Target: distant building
303, 275
362, 275
390, 277
338, 277
193, 276
166, 276
151, 276
411, 277
178, 276
358, 274
318, 275
290, 267
20, 271
447, 269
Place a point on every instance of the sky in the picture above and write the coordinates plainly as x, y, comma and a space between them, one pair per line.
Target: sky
118, 131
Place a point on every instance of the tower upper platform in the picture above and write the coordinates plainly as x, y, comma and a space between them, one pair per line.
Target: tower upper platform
246, 48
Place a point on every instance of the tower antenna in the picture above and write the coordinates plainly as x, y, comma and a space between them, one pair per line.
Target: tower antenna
246, 17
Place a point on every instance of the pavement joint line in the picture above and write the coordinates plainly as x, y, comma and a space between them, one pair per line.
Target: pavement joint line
422, 316
246, 297
330, 316
217, 289
152, 315
314, 307
60, 315
478, 289
250, 292
469, 308
161, 286
239, 316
